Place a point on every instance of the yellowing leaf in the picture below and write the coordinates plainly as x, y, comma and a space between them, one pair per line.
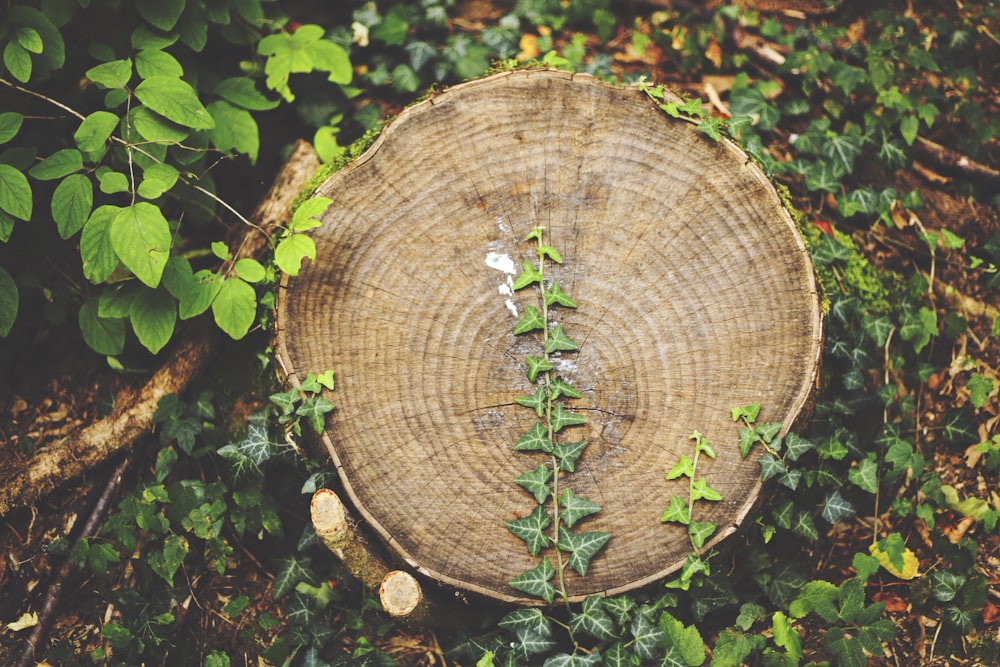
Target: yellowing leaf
910, 564
27, 620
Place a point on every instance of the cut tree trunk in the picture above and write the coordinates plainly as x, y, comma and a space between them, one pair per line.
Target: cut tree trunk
695, 291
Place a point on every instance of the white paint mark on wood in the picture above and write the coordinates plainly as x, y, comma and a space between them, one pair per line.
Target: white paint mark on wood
500, 262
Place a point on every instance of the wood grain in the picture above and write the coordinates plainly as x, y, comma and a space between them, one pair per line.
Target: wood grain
695, 295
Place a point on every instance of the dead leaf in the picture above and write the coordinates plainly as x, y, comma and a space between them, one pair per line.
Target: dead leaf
529, 48
893, 603
714, 52
856, 31
991, 613
27, 620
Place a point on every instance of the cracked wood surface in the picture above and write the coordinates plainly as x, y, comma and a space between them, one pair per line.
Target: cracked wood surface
695, 292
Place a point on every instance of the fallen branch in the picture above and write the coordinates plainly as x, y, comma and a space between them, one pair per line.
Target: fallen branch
955, 162
134, 408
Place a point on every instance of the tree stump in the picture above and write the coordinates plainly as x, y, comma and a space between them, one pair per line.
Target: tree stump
695, 292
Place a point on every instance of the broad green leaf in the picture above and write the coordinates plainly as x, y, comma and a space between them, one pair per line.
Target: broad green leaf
529, 276
556, 295
700, 531
235, 307
61, 163
536, 439
115, 301
153, 315
536, 482
141, 237
154, 62
29, 39
329, 57
734, 648
111, 75
250, 270
785, 636
530, 619
748, 412
17, 60
685, 643
9, 299
676, 512
531, 529
291, 250
235, 129
72, 202
865, 474
153, 127
104, 336
816, 596
980, 387
865, 565
94, 131
537, 581
908, 127
532, 320
945, 585
165, 563
582, 547
538, 401
561, 418
241, 91
175, 100
559, 340
573, 508
111, 182
304, 216
15, 193
157, 179
537, 365
10, 125
568, 453
852, 600
162, 14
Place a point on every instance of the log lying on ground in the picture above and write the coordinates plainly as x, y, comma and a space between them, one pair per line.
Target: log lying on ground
135, 407
696, 294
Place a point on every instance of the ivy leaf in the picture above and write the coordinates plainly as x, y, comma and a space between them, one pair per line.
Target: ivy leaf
141, 237
770, 466
796, 446
700, 490
286, 400
960, 427
568, 453
537, 582
684, 467
646, 636
537, 365
532, 643
175, 100
550, 252
918, 327
559, 340
235, 307
865, 475
593, 620
620, 607
531, 620
575, 508
536, 439
945, 585
617, 655
559, 387
699, 532
748, 438
748, 412
537, 401
676, 512
768, 431
804, 526
529, 276
165, 563
531, 529
256, 445
561, 418
536, 482
315, 409
531, 321
291, 571
791, 479
582, 547
555, 295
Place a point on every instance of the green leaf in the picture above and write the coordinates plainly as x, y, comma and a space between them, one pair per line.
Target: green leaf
676, 512
291, 250
537, 365
685, 643
329, 57
770, 466
555, 295
166, 563
10, 125
153, 315
734, 648
683, 468
865, 475
699, 532
162, 14
71, 204
532, 320
536, 439
558, 341
111, 182
560, 418
804, 526
918, 327
550, 252
29, 39
9, 300
646, 636
154, 62
700, 490
15, 193
61, 163
582, 547
111, 75
529, 276
18, 61
315, 409
304, 216
235, 307
816, 596
250, 270
945, 585
157, 179
536, 482
153, 127
573, 508
748, 413
568, 453
291, 571
796, 446
94, 131
531, 529
235, 129
175, 100
537, 581
141, 237
241, 91
538, 401
530, 619
104, 335
908, 126
980, 387
593, 620
559, 387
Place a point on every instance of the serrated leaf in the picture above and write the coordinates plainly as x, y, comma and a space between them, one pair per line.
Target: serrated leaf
531, 529
529, 276
291, 250
538, 401
15, 193
537, 582
559, 340
560, 418
582, 547
536, 482
175, 100
816, 596
573, 508
536, 439
537, 365
556, 296
141, 237
234, 308
852, 600
567, 453
532, 320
